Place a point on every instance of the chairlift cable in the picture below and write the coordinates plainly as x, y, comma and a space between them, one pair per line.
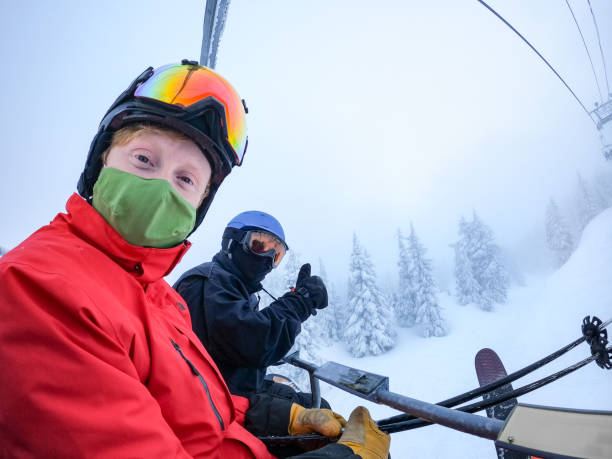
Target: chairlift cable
600, 48
408, 422
412, 422
586, 49
371, 386
541, 57
471, 394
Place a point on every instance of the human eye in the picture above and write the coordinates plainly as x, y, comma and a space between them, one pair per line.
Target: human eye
186, 180
257, 246
142, 159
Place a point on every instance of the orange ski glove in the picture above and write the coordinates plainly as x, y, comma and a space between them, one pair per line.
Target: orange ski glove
363, 436
315, 420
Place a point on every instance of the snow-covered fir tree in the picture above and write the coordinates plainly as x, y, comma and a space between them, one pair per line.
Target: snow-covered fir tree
273, 285
369, 330
468, 289
588, 203
308, 342
328, 317
422, 289
558, 236
404, 303
394, 302
603, 183
290, 269
481, 276
340, 312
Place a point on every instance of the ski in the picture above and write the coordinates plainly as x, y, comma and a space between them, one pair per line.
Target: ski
489, 368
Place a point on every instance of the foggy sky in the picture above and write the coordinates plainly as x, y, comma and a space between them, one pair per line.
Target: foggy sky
361, 118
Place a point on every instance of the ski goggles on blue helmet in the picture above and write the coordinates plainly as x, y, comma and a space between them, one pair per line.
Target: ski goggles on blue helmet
259, 233
265, 244
257, 242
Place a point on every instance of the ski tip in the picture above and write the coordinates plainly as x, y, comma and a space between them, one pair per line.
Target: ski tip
489, 366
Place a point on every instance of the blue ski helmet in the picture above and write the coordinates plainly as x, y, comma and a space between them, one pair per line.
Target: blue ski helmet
255, 220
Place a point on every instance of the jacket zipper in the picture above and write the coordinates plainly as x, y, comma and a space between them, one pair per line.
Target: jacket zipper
195, 371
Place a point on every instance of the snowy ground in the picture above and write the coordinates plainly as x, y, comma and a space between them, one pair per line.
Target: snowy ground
538, 318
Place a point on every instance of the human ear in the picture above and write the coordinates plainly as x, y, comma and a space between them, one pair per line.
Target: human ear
206, 192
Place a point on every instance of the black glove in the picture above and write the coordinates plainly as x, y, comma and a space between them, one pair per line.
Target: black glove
311, 288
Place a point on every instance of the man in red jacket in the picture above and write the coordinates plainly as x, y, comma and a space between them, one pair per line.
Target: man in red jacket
97, 353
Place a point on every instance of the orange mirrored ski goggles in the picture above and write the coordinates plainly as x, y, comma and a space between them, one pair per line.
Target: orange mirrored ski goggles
196, 88
263, 243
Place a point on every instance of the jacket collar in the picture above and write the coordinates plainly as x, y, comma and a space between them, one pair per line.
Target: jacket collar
226, 263
146, 264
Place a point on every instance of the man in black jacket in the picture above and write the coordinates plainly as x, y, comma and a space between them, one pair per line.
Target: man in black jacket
224, 308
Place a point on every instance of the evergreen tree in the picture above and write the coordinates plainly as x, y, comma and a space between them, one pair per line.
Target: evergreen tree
369, 330
558, 236
468, 290
395, 304
290, 270
405, 303
328, 317
604, 186
422, 287
340, 312
481, 276
588, 203
307, 341
275, 285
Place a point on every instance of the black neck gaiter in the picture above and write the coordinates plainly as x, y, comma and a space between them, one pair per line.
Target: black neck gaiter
253, 267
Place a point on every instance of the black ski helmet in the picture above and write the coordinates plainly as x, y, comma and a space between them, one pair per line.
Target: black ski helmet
188, 98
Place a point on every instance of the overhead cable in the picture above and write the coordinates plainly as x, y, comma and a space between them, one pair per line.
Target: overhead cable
541, 57
600, 48
586, 49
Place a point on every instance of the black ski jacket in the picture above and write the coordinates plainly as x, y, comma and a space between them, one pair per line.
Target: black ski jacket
241, 339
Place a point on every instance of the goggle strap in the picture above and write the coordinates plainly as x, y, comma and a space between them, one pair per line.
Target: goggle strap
129, 92
235, 234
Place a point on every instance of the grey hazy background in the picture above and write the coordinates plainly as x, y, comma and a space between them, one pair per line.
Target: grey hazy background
361, 117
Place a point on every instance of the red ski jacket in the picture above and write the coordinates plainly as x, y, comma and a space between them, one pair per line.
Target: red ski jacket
97, 356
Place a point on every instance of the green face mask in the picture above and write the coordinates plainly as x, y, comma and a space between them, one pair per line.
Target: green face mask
145, 212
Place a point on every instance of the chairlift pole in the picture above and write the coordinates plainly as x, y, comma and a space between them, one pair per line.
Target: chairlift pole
215, 14
375, 388
458, 420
